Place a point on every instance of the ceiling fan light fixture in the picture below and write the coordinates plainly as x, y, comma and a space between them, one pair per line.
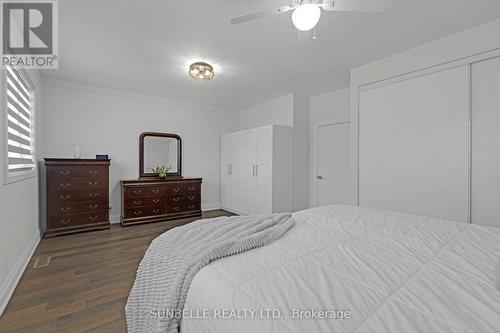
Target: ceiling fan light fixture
306, 16
201, 71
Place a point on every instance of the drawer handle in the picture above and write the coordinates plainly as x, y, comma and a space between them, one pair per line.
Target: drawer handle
155, 191
176, 189
93, 195
93, 183
93, 172
191, 197
156, 211
65, 185
176, 209
93, 206
137, 202
137, 191
65, 209
191, 189
65, 197
93, 218
190, 206
176, 199
65, 221
138, 212
65, 172
156, 201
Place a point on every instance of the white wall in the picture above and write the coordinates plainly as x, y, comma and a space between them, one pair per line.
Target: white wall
278, 111
106, 121
19, 223
327, 108
301, 110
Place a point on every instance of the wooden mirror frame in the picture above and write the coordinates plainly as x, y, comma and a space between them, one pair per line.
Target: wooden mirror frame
143, 174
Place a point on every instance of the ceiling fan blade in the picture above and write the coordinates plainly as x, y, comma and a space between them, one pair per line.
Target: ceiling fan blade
356, 5
258, 15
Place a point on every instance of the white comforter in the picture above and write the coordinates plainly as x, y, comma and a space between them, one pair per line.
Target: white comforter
392, 272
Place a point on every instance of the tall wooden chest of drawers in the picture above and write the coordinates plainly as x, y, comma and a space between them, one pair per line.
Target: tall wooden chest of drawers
77, 195
159, 200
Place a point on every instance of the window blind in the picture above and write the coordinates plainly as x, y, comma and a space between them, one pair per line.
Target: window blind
19, 98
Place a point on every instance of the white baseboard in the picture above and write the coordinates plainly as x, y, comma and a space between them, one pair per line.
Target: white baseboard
10, 284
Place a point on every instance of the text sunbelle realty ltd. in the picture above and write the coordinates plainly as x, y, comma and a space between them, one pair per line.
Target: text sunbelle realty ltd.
312, 314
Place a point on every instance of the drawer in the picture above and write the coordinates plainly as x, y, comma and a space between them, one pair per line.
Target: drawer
77, 220
151, 191
68, 196
144, 212
146, 201
70, 208
181, 188
183, 207
184, 198
73, 184
71, 171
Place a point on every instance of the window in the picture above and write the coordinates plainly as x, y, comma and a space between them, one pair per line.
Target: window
19, 136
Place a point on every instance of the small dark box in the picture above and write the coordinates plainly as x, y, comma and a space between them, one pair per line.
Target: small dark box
101, 157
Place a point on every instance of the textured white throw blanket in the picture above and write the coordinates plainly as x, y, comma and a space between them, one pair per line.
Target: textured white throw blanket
173, 258
497, 274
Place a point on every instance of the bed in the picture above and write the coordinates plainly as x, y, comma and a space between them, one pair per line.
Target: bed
391, 272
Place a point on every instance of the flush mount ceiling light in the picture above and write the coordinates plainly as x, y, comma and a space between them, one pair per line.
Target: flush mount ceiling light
306, 16
201, 71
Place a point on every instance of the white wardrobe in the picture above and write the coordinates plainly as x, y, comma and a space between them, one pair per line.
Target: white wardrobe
429, 143
256, 170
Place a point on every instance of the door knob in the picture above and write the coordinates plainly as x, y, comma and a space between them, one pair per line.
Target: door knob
319, 177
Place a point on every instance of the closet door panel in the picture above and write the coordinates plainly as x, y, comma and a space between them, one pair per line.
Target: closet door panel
485, 78
413, 145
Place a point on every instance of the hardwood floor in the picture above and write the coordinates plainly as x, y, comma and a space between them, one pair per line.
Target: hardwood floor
86, 284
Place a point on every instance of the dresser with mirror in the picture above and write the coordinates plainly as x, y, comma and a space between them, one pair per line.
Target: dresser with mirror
157, 197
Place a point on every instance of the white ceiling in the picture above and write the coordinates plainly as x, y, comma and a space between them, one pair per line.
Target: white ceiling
145, 45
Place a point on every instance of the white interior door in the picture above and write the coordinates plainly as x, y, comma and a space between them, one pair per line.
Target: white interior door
485, 192
228, 187
243, 172
264, 156
333, 164
413, 145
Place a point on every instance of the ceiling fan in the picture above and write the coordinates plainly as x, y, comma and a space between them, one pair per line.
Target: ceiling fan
306, 13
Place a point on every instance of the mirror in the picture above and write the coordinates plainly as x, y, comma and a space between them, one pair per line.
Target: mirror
159, 149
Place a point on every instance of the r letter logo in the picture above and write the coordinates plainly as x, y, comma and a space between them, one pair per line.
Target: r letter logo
29, 34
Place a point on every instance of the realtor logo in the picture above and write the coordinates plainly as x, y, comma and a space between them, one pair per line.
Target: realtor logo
29, 34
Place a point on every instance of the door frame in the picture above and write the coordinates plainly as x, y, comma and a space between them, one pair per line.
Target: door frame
314, 174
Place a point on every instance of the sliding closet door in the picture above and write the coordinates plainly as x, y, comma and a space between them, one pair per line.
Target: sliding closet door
486, 142
413, 145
